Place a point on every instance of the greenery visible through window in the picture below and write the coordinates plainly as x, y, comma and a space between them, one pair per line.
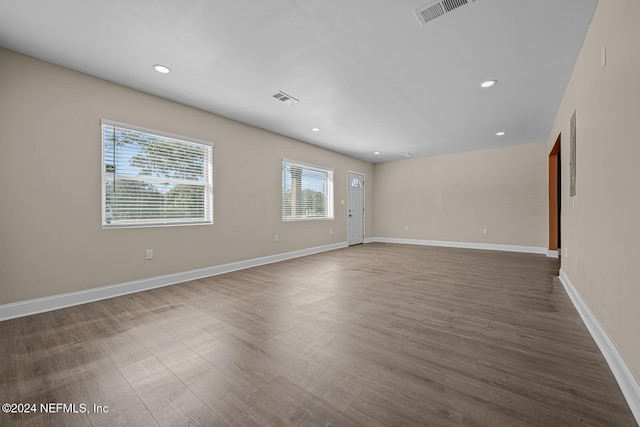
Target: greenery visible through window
154, 179
307, 192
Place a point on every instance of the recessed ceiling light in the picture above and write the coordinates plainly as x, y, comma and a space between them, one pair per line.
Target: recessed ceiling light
488, 83
406, 155
377, 153
501, 133
162, 69
316, 129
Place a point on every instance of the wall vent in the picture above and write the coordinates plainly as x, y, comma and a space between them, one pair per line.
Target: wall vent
287, 99
437, 9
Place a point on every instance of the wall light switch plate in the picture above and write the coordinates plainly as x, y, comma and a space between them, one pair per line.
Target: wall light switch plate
148, 254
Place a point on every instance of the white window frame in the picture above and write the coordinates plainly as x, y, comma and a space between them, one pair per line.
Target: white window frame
329, 204
207, 218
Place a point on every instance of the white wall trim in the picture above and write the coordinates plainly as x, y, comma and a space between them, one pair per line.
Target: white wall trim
465, 245
54, 302
552, 254
626, 380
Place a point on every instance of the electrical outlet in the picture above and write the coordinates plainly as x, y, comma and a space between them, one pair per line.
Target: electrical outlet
331, 231
406, 228
485, 231
276, 238
149, 254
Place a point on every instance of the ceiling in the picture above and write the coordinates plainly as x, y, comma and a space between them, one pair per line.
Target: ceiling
366, 72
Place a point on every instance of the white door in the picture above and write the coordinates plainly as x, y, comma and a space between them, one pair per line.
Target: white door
356, 208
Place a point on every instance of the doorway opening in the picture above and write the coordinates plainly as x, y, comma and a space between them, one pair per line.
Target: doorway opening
555, 199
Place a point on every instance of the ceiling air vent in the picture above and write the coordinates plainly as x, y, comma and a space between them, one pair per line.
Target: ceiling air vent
449, 5
287, 99
437, 9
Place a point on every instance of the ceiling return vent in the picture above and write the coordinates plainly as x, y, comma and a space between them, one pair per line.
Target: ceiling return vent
437, 9
287, 99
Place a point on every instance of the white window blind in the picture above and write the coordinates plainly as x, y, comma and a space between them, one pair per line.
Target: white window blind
307, 192
153, 179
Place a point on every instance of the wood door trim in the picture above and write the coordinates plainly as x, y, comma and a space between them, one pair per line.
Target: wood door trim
554, 158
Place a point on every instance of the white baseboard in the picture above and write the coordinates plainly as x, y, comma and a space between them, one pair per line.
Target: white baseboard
40, 305
626, 380
465, 245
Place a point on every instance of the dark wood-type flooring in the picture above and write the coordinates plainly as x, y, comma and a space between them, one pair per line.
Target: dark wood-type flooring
373, 335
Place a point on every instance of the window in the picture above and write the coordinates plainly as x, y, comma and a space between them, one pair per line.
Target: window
152, 179
307, 192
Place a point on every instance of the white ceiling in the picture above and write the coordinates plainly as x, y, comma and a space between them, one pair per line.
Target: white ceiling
365, 71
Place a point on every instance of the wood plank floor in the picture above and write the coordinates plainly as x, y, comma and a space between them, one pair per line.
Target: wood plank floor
373, 335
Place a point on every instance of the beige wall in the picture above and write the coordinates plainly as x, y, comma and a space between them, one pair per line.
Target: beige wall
454, 197
600, 225
51, 239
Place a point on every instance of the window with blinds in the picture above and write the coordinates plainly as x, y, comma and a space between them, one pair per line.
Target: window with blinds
307, 192
154, 179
